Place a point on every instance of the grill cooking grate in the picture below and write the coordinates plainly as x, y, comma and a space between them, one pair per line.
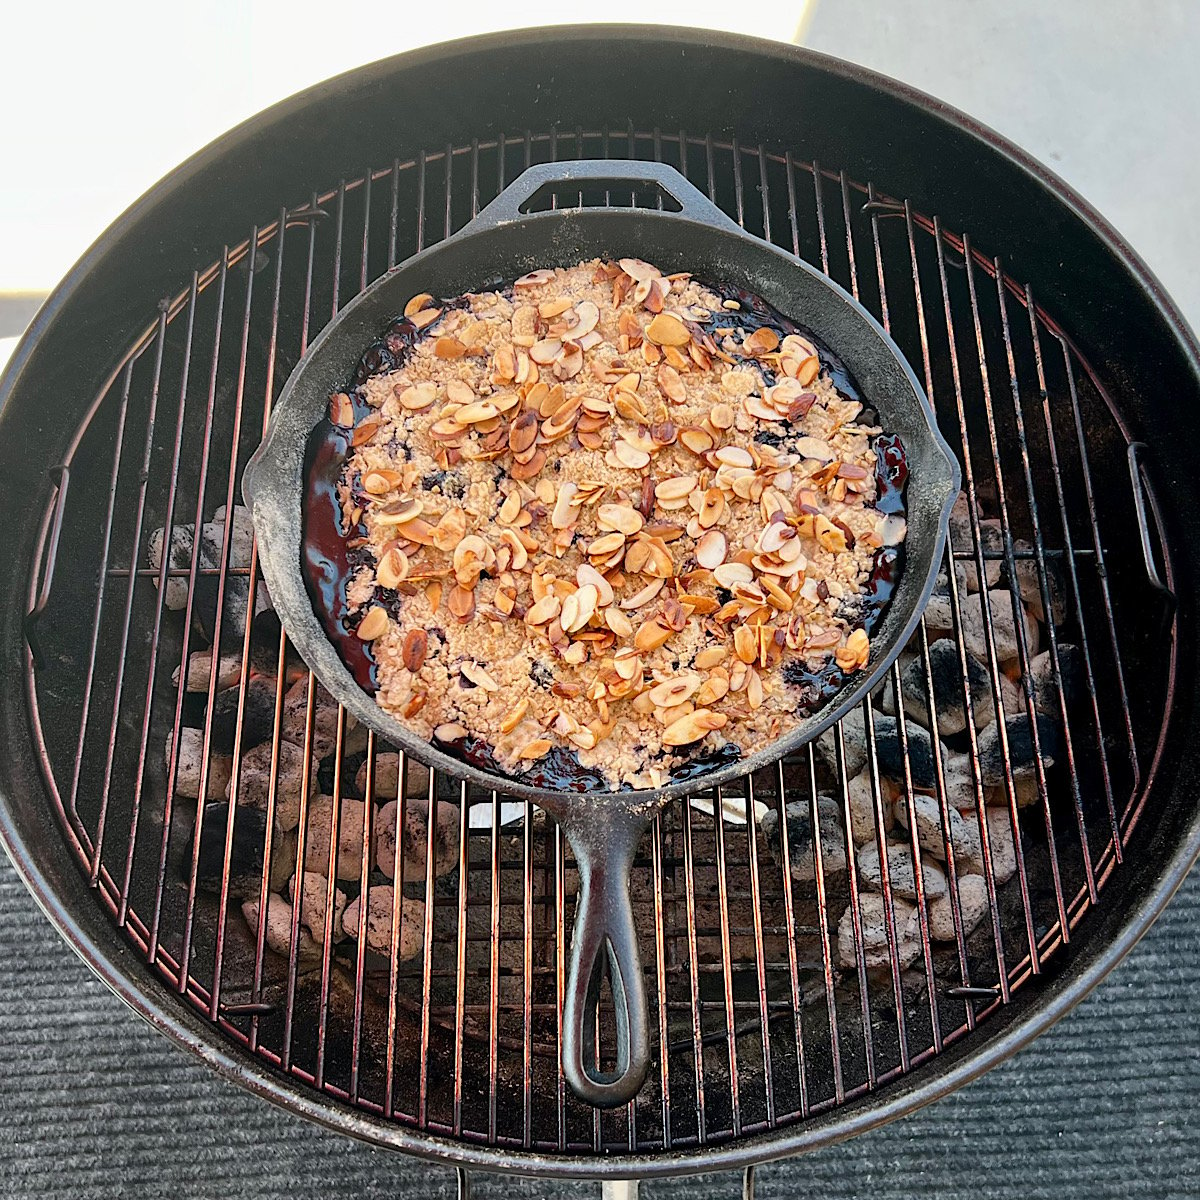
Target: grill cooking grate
756, 1023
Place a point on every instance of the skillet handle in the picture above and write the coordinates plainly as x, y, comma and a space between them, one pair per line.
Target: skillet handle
616, 173
604, 925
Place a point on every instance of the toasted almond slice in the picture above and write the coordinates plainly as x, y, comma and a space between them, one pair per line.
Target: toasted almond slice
668, 330
651, 635
474, 414
399, 512
734, 456
378, 483
643, 595
538, 748
418, 397
450, 732
565, 513
816, 448
761, 341
373, 625
447, 430
509, 509
635, 268
709, 657
461, 602
692, 727
392, 569
675, 691
549, 309
754, 690
585, 603
618, 622
458, 392
620, 517
606, 544
448, 347
758, 408
535, 279
722, 416
418, 302
341, 410
777, 597
745, 643
527, 470
808, 370
671, 384
425, 317
543, 610
727, 574
587, 317
520, 556
630, 456
712, 508
513, 719
698, 441
678, 488
710, 549
545, 351
587, 576
479, 676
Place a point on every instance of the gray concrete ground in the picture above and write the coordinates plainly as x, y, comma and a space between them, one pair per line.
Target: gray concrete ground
94, 1104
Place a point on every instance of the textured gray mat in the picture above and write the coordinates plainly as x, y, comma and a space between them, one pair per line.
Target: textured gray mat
93, 1103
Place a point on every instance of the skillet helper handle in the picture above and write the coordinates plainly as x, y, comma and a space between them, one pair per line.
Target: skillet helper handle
604, 926
611, 173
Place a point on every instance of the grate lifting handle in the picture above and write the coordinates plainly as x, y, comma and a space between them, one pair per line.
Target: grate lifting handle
1142, 495
62, 478
605, 932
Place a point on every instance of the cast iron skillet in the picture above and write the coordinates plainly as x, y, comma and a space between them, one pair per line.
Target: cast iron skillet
501, 243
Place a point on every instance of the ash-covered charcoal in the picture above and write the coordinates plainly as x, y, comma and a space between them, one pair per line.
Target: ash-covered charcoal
199, 671
972, 904
182, 545
876, 950
1045, 690
189, 763
380, 902
861, 795
254, 786
964, 837
325, 718
1021, 753
854, 739
1001, 848
314, 904
1003, 627
962, 538
800, 838
890, 752
386, 780
1030, 587
902, 878
279, 929
246, 851
258, 714
415, 839
351, 814
946, 671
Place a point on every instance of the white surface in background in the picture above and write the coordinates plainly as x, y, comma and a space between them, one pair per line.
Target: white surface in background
100, 100
1105, 92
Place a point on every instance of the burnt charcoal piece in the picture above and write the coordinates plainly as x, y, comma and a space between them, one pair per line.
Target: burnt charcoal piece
800, 838
947, 671
1045, 690
891, 758
1020, 747
246, 852
258, 721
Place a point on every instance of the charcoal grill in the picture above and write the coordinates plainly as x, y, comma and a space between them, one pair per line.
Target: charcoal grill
144, 385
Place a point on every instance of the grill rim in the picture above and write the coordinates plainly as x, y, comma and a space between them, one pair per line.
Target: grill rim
88, 932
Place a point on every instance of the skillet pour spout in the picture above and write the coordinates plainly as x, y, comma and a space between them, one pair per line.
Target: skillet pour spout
684, 232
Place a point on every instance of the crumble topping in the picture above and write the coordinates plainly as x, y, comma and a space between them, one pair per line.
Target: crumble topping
601, 513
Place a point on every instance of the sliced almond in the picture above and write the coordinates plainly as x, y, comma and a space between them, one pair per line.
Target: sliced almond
675, 691
619, 517
734, 456
692, 727
479, 677
565, 513
419, 396
549, 309
458, 392
543, 610
392, 569
577, 608
730, 573
527, 470
712, 508
535, 279
538, 748
425, 317
587, 317
635, 268
587, 576
671, 384
373, 625
745, 643
450, 732
341, 410
698, 441
413, 651
545, 351
711, 549
651, 635
448, 347
668, 330
816, 448
461, 602
643, 595
761, 341
423, 300
618, 622
399, 512
628, 456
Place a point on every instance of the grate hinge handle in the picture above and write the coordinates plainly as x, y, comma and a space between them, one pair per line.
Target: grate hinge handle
62, 478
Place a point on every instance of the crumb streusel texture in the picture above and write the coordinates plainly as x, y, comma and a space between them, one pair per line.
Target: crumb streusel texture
575, 541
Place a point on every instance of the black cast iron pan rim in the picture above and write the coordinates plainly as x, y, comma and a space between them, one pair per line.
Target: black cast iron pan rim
128, 976
268, 483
